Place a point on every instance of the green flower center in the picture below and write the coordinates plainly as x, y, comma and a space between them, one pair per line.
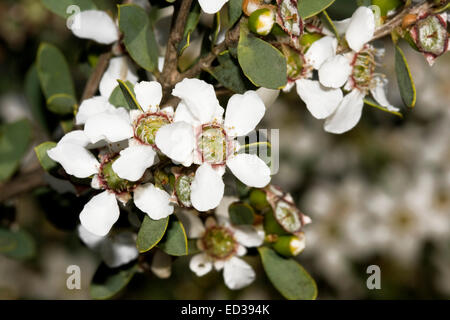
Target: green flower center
219, 242
147, 126
287, 217
212, 144
431, 35
183, 189
363, 69
111, 181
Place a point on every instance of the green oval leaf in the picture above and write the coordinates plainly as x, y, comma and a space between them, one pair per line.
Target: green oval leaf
241, 213
60, 7
108, 282
175, 241
287, 276
150, 233
128, 94
404, 78
55, 79
262, 63
119, 99
309, 8
14, 140
17, 244
229, 74
139, 38
234, 11
41, 153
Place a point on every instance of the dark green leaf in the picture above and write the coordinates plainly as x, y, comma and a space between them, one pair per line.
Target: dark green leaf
287, 276
33, 93
17, 244
191, 24
192, 246
118, 99
229, 74
56, 82
139, 38
60, 7
234, 11
175, 241
262, 63
404, 78
309, 8
128, 94
108, 282
241, 213
150, 233
14, 141
41, 153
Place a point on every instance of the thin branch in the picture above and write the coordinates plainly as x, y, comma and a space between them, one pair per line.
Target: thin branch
96, 75
22, 184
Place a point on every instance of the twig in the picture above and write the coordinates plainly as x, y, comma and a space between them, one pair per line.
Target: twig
22, 184
94, 80
170, 74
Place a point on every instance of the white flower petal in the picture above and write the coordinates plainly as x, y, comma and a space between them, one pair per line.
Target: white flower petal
92, 241
161, 264
148, 94
111, 125
133, 162
347, 114
238, 274
200, 264
319, 100
77, 137
119, 250
199, 97
192, 224
248, 236
207, 188
94, 25
176, 140
379, 94
100, 213
268, 96
153, 201
76, 160
183, 114
244, 112
119, 68
212, 6
249, 169
335, 71
342, 25
91, 107
360, 29
320, 51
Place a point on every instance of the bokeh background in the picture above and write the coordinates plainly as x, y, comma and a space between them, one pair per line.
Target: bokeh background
379, 194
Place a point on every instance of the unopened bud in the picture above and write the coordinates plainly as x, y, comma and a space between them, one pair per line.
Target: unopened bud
290, 246
261, 21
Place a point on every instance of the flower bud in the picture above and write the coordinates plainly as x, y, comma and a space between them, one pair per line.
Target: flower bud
261, 21
258, 199
290, 246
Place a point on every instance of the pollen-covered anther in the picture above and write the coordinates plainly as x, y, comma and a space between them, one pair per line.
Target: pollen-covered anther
219, 243
213, 144
363, 68
146, 126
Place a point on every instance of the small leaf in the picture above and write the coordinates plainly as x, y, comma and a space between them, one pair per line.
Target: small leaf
175, 242
150, 233
404, 78
241, 213
117, 97
370, 102
192, 246
41, 153
139, 38
234, 11
229, 74
287, 276
108, 282
60, 7
128, 94
33, 93
262, 63
309, 8
17, 244
14, 141
191, 24
56, 82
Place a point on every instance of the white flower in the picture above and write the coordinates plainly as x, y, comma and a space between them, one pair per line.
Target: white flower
211, 6
324, 98
115, 250
95, 25
200, 135
222, 244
